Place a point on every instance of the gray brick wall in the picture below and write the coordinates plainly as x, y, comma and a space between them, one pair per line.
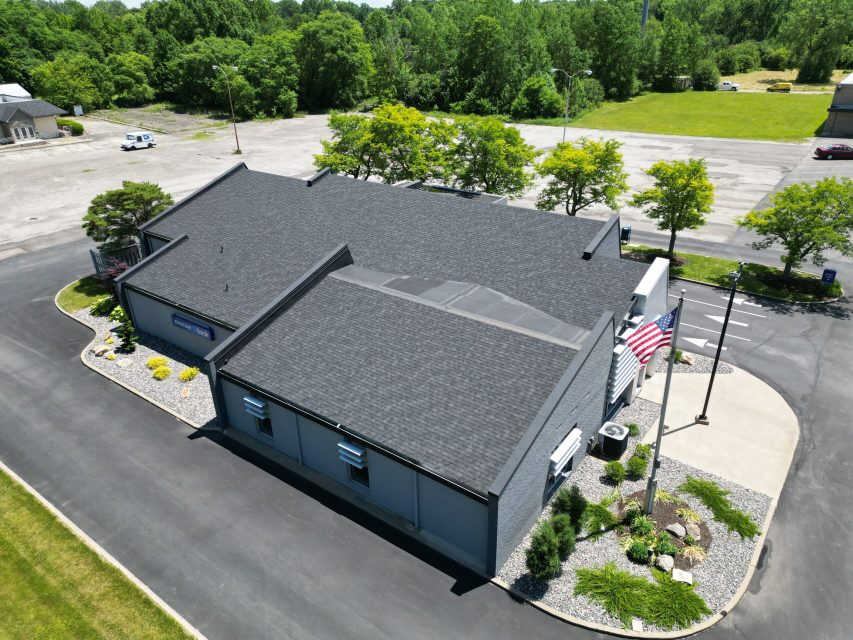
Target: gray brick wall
522, 498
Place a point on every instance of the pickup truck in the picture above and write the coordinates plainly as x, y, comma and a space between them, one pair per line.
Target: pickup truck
728, 85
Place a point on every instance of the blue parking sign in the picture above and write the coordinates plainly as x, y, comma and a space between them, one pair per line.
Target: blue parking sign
828, 276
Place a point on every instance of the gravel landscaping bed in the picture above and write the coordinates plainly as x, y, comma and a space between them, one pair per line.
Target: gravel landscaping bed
703, 364
717, 578
191, 399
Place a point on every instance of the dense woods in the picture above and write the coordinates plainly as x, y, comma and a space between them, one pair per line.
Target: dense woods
468, 56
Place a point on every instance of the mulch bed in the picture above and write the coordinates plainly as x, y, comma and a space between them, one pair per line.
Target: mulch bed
664, 515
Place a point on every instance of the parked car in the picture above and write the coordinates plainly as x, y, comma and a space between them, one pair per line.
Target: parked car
781, 86
728, 85
835, 152
138, 140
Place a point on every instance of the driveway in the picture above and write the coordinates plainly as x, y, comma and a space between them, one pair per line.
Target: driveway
244, 550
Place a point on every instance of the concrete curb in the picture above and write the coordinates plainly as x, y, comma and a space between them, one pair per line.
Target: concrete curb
128, 124
104, 554
666, 635
762, 295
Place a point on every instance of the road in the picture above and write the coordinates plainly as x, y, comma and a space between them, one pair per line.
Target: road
245, 550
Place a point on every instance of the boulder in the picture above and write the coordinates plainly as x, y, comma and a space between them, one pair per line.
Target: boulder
185, 393
665, 563
124, 363
101, 349
693, 530
636, 624
676, 529
682, 576
688, 358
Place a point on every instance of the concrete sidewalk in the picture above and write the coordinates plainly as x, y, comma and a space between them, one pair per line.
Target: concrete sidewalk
752, 433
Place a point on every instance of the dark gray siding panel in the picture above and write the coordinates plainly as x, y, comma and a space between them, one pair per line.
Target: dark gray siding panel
320, 450
391, 485
454, 518
283, 421
154, 317
610, 245
521, 501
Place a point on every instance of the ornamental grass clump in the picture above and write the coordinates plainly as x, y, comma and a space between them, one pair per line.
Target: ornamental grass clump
161, 373
155, 362
188, 374
713, 496
633, 429
543, 556
694, 554
690, 516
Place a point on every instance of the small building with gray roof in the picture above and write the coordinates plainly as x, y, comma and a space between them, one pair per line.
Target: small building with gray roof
839, 119
447, 360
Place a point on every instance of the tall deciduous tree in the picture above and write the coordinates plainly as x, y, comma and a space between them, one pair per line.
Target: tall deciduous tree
615, 44
815, 30
807, 220
77, 79
681, 198
491, 157
582, 174
114, 217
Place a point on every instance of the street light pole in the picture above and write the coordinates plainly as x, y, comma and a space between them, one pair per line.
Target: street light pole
571, 76
702, 418
216, 67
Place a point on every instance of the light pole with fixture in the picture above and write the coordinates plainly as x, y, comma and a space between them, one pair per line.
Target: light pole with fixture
216, 67
570, 76
702, 418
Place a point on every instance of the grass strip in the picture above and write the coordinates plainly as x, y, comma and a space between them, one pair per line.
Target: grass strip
81, 294
713, 496
54, 586
757, 278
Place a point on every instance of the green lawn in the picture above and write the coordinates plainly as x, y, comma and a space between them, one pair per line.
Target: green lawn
756, 278
80, 294
718, 114
53, 586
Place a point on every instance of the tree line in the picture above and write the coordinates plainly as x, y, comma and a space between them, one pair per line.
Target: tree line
467, 56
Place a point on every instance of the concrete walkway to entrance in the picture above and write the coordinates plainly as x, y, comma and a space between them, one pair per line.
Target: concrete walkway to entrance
752, 432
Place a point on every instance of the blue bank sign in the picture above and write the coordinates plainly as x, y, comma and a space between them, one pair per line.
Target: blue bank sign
201, 330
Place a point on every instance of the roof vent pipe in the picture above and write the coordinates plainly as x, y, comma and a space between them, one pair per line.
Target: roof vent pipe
317, 176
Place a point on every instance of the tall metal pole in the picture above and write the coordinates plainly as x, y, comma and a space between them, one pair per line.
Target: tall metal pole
566, 114
652, 486
645, 17
702, 418
231, 104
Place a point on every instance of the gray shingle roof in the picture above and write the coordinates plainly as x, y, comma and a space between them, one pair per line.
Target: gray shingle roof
450, 392
271, 229
33, 108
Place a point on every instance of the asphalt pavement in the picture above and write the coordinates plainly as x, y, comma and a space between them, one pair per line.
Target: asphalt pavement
244, 550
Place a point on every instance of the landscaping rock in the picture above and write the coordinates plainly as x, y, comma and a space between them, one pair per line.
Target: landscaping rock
682, 576
693, 530
124, 363
185, 392
688, 358
665, 563
101, 349
636, 624
676, 530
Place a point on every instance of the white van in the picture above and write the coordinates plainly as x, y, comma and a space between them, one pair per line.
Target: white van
138, 140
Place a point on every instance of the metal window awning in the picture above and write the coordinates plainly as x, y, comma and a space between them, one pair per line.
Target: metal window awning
352, 454
564, 452
256, 407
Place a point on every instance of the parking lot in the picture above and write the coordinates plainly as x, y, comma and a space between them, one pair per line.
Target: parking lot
50, 187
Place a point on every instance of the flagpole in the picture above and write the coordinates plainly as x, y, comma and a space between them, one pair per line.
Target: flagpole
652, 486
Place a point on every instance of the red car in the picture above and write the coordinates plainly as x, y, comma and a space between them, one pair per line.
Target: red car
834, 151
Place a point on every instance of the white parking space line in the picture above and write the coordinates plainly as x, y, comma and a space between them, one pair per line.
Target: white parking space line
749, 313
702, 342
722, 319
744, 301
728, 335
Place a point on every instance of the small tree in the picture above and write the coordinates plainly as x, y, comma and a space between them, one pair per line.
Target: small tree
582, 174
127, 335
807, 220
565, 532
114, 217
491, 157
543, 556
681, 197
706, 77
350, 151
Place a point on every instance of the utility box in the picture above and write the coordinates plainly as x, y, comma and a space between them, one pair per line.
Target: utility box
626, 234
613, 439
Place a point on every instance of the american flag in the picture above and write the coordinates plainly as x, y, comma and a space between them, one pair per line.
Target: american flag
648, 338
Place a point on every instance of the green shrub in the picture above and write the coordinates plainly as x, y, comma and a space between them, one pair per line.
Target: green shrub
615, 471
155, 362
639, 552
670, 604
188, 374
713, 496
664, 545
679, 355
642, 525
565, 532
76, 127
118, 314
127, 334
598, 519
111, 356
776, 59
620, 593
572, 503
103, 306
109, 341
689, 540
706, 77
833, 290
633, 429
637, 467
161, 373
643, 451
537, 98
543, 556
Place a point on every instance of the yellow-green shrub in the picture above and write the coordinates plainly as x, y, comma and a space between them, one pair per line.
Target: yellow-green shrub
161, 373
188, 374
155, 362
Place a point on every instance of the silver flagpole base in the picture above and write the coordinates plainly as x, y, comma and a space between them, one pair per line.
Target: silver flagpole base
651, 488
